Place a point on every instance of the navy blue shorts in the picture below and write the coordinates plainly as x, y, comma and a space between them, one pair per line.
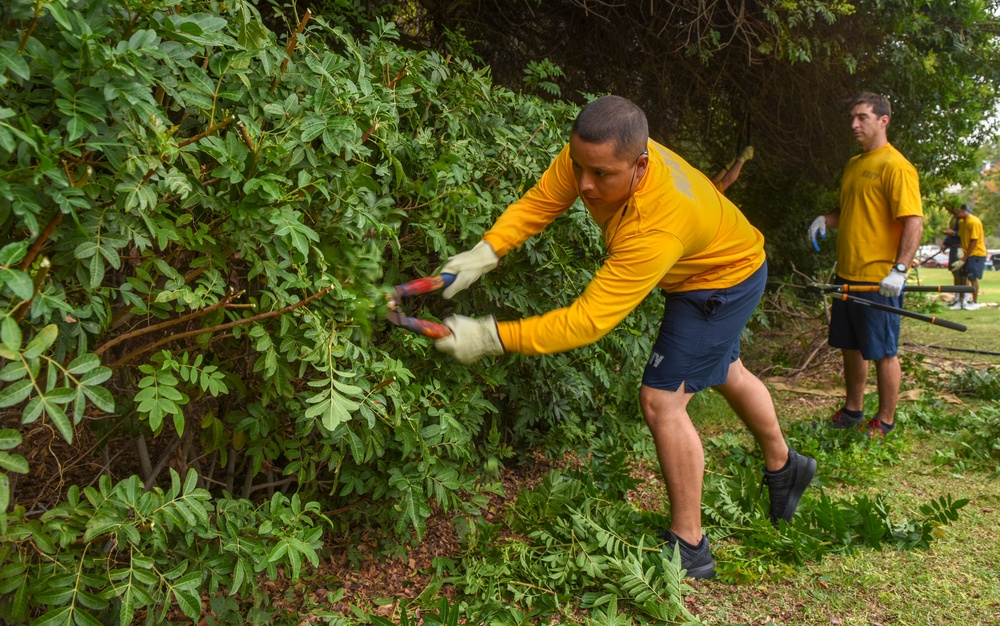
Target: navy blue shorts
700, 335
857, 327
974, 267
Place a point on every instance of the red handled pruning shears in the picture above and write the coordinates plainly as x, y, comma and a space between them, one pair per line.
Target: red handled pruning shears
416, 287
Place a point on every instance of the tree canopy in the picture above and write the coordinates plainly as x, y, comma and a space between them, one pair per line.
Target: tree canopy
714, 76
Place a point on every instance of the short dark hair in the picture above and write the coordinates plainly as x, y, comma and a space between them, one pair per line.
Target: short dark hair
613, 118
880, 104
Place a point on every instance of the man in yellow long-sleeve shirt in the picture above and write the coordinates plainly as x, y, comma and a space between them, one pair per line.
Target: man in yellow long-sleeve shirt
664, 225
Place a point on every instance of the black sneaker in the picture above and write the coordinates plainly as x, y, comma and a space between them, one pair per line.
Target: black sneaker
877, 428
787, 485
697, 560
843, 420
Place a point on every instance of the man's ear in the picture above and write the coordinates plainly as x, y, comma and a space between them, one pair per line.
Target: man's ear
641, 164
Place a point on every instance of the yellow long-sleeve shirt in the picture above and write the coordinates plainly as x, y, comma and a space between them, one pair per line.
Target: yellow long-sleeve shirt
677, 232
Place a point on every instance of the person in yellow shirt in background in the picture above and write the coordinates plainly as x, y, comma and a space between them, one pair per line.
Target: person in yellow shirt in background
953, 243
974, 260
880, 221
664, 225
728, 175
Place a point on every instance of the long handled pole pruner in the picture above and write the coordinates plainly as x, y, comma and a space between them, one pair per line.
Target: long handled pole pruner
838, 289
842, 292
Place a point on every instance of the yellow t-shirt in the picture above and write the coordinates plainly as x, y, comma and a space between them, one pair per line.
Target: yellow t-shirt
677, 232
877, 189
972, 228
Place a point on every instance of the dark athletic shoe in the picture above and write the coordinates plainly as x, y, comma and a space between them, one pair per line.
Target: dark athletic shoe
843, 420
787, 485
697, 561
876, 428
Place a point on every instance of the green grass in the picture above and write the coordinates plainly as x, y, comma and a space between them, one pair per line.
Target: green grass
955, 581
982, 324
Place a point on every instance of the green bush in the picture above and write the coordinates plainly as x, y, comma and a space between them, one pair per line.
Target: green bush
977, 383
199, 221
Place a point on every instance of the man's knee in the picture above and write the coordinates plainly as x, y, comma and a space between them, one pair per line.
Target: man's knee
659, 406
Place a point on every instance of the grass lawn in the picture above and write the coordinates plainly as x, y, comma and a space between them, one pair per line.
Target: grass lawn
954, 582
982, 324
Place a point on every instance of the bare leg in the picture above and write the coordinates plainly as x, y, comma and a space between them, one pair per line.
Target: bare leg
855, 377
888, 376
975, 292
682, 459
751, 401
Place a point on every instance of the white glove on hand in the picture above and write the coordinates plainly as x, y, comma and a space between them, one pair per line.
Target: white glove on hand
957, 265
892, 285
818, 227
471, 338
468, 267
747, 154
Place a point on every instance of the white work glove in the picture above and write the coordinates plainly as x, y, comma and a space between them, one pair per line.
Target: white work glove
747, 154
957, 265
892, 285
471, 338
818, 227
468, 267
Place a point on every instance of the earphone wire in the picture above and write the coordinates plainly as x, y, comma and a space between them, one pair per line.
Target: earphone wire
631, 192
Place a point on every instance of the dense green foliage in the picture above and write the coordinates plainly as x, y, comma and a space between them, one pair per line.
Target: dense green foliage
198, 229
202, 206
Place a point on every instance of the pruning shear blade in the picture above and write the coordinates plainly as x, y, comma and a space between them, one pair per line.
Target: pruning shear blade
417, 287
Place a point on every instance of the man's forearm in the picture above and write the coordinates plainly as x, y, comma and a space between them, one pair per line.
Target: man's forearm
909, 240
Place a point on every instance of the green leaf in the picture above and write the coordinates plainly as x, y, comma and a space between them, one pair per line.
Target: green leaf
12, 252
101, 398
60, 395
100, 525
59, 419
32, 411
16, 393
15, 370
13, 463
96, 376
96, 271
18, 281
83, 363
41, 342
335, 410
83, 618
56, 617
190, 603
10, 333
9, 438
60, 15
127, 611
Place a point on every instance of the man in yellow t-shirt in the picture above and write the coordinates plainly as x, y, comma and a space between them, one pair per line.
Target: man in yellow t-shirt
974, 249
880, 221
664, 225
